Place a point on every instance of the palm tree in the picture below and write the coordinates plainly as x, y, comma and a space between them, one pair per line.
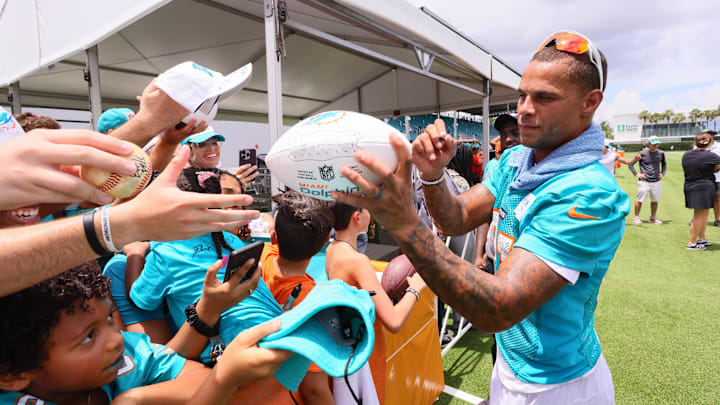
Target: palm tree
708, 115
668, 114
654, 119
677, 119
607, 129
695, 115
644, 115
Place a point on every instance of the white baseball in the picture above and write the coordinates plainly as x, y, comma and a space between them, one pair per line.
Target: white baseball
120, 185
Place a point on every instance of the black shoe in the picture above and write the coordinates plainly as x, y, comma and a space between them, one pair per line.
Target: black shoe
717, 222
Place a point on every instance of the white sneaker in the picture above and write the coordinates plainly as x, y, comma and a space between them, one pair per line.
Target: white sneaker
655, 221
637, 221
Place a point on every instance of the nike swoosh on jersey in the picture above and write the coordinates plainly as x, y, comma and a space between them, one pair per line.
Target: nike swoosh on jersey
574, 214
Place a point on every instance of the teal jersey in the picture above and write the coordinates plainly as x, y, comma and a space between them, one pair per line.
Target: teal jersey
575, 220
145, 363
491, 165
115, 271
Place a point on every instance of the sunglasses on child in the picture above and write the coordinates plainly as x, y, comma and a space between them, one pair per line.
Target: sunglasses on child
574, 42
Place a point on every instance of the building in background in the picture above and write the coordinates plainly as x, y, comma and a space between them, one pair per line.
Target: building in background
630, 128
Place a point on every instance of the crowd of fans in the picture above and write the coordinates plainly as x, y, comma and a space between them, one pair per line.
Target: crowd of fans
122, 300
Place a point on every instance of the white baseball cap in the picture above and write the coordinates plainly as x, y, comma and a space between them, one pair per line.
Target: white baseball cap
9, 127
200, 89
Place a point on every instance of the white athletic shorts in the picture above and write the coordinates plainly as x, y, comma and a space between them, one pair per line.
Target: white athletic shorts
645, 188
594, 387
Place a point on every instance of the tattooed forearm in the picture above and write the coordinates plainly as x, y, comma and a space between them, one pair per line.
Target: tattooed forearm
451, 213
491, 303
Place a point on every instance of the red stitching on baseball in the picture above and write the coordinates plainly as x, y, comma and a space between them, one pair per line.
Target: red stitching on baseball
110, 182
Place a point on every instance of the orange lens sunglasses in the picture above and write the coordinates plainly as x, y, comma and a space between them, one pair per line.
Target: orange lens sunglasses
577, 43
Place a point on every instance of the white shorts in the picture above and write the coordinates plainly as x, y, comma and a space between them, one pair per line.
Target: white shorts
645, 188
594, 387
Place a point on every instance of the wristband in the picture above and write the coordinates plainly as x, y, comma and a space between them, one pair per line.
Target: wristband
91, 235
107, 235
433, 182
198, 324
413, 292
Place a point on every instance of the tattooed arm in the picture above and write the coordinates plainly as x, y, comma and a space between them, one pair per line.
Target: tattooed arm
492, 303
458, 215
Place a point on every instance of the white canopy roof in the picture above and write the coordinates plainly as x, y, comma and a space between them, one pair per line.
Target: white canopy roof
363, 55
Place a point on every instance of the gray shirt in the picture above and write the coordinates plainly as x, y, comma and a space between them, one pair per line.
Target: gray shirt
650, 163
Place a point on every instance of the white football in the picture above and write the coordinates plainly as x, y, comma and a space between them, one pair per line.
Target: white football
307, 158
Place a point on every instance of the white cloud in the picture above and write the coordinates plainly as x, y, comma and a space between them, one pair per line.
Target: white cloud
625, 102
653, 47
709, 98
665, 103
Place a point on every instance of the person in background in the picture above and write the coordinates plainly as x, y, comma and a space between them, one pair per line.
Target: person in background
715, 148
652, 170
345, 262
699, 166
204, 149
29, 121
112, 118
611, 159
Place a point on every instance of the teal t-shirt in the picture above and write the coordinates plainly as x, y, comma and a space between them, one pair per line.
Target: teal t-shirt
575, 220
145, 363
174, 273
115, 271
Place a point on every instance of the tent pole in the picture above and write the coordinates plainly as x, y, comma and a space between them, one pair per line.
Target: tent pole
92, 76
14, 98
274, 77
486, 124
455, 124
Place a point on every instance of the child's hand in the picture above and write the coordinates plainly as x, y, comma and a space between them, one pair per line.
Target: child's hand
218, 297
243, 361
136, 248
416, 282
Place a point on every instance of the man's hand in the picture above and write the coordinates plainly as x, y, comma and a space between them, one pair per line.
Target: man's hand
218, 297
433, 150
660, 176
158, 111
43, 166
246, 174
163, 212
641, 176
394, 208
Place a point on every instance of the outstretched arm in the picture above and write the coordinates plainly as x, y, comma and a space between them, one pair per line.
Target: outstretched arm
174, 215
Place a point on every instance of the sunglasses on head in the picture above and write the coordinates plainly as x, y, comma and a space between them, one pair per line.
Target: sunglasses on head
574, 42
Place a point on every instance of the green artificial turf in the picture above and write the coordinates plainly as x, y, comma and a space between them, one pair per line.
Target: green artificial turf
658, 315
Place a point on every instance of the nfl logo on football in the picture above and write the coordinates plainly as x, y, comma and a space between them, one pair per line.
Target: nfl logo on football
326, 172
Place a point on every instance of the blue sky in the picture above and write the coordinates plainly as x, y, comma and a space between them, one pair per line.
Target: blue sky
662, 54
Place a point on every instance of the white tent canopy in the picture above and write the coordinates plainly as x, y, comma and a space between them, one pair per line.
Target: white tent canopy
138, 39
379, 57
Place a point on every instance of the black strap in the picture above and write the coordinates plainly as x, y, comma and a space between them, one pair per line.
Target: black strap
199, 325
91, 235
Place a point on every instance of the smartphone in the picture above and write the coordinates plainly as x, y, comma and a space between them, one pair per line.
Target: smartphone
240, 256
247, 156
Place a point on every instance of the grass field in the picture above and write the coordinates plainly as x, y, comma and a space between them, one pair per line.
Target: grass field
658, 316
